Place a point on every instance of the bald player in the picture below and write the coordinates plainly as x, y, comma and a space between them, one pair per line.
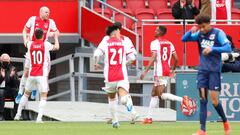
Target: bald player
49, 28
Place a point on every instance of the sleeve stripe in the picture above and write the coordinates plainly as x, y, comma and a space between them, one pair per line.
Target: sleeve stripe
101, 50
129, 53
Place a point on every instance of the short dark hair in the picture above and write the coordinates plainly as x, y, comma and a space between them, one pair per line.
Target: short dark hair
38, 33
162, 29
202, 18
118, 24
110, 29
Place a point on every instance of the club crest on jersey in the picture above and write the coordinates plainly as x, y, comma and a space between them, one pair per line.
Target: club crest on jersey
207, 43
212, 37
46, 25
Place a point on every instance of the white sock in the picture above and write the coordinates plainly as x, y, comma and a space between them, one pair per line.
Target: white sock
22, 84
42, 105
127, 101
22, 103
153, 104
169, 96
113, 109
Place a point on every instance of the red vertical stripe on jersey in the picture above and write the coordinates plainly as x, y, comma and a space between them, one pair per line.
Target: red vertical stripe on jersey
115, 60
221, 9
44, 25
37, 52
165, 51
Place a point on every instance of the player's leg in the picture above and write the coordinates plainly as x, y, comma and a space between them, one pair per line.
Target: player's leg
161, 86
43, 87
126, 99
24, 76
22, 103
110, 88
202, 85
42, 105
113, 103
215, 86
22, 85
154, 103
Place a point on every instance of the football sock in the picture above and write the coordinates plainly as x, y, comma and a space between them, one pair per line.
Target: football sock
22, 85
169, 96
220, 112
203, 113
153, 104
127, 101
42, 105
113, 109
22, 103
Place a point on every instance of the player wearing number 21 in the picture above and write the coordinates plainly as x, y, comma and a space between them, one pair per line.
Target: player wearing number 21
162, 51
38, 52
117, 53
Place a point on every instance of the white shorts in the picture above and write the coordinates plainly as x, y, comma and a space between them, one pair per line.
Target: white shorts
112, 87
160, 80
39, 83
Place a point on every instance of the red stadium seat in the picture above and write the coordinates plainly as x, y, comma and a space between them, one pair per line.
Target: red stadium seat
135, 4
145, 14
115, 3
165, 14
120, 18
157, 4
107, 12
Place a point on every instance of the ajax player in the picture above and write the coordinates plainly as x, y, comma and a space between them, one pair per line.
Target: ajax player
162, 51
39, 58
116, 54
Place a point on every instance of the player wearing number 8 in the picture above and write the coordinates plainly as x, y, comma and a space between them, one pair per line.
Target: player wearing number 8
38, 51
162, 51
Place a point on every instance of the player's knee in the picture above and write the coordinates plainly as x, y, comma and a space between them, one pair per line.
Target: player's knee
215, 102
124, 99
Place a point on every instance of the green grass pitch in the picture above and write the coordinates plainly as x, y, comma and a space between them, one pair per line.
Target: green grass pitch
100, 128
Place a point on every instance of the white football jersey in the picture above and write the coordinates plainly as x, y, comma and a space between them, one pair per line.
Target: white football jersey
164, 50
46, 25
115, 52
39, 56
127, 41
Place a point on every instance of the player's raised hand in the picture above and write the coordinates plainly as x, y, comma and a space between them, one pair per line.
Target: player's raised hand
143, 75
206, 50
194, 29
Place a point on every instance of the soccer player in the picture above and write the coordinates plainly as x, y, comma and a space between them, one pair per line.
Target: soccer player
212, 42
34, 22
117, 53
162, 51
39, 56
129, 43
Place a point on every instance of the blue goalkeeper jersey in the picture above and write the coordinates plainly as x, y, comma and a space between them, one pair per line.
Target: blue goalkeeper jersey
217, 40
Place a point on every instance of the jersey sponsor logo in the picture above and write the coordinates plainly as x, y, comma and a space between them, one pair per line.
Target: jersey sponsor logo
206, 43
220, 3
212, 36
